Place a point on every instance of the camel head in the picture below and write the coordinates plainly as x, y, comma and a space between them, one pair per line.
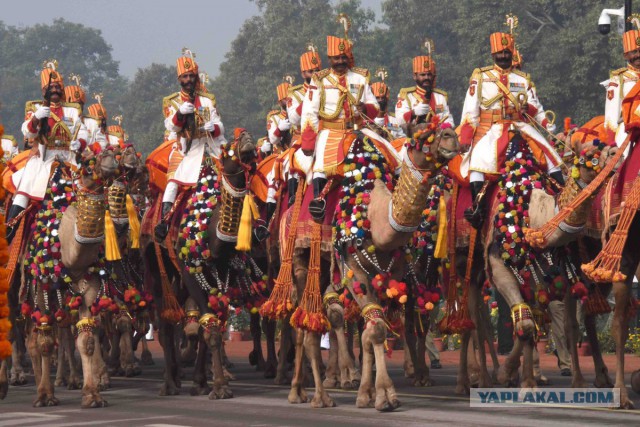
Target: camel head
129, 158
239, 156
98, 169
590, 158
439, 145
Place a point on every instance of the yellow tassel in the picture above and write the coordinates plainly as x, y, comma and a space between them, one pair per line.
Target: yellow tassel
441, 243
249, 211
112, 251
134, 224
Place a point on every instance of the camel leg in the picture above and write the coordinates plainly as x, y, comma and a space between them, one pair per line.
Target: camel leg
61, 374
4, 379
17, 369
421, 377
171, 376
320, 398
145, 357
620, 332
479, 336
74, 381
200, 386
410, 339
349, 375
486, 323
508, 373
126, 348
367, 392
528, 380
271, 365
286, 339
298, 394
331, 378
88, 347
45, 346
571, 331
386, 399
256, 358
462, 382
213, 338
603, 380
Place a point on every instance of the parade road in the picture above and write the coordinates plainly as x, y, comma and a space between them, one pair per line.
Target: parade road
258, 402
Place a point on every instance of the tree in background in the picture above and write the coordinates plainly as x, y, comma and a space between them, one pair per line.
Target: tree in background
142, 105
78, 49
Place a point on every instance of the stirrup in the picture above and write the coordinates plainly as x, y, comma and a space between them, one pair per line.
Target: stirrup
317, 208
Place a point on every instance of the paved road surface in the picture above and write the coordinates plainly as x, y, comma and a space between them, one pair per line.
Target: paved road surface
257, 402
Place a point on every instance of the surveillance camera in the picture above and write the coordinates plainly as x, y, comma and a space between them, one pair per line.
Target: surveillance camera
604, 23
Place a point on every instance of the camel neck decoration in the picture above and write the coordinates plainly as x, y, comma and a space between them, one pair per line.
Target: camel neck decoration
521, 175
195, 251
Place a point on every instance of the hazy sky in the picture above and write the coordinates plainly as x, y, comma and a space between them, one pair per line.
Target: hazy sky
146, 31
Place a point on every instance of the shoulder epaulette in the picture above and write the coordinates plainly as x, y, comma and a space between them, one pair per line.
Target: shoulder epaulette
209, 95
272, 113
31, 106
10, 138
483, 69
441, 92
618, 72
166, 101
296, 88
521, 74
73, 105
406, 91
361, 71
322, 74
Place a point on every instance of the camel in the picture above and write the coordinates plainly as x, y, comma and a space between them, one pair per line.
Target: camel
204, 286
503, 275
80, 236
407, 203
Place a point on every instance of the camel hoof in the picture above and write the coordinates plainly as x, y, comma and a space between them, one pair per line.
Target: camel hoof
221, 393
146, 359
4, 389
59, 382
323, 401
462, 390
270, 371
281, 380
168, 390
297, 396
625, 403
200, 390
18, 380
389, 406
603, 381
45, 402
364, 402
330, 383
229, 376
74, 384
92, 402
349, 385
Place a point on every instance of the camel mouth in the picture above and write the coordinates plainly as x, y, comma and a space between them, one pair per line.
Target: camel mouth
447, 154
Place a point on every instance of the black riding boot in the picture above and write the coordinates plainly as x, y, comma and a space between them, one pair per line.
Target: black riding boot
14, 211
475, 215
318, 205
292, 188
162, 229
558, 177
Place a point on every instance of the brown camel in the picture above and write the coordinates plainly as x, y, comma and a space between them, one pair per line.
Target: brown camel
541, 209
406, 205
77, 258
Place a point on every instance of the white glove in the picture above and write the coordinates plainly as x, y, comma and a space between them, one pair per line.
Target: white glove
379, 121
421, 109
551, 127
74, 145
187, 108
209, 126
284, 125
266, 147
42, 112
